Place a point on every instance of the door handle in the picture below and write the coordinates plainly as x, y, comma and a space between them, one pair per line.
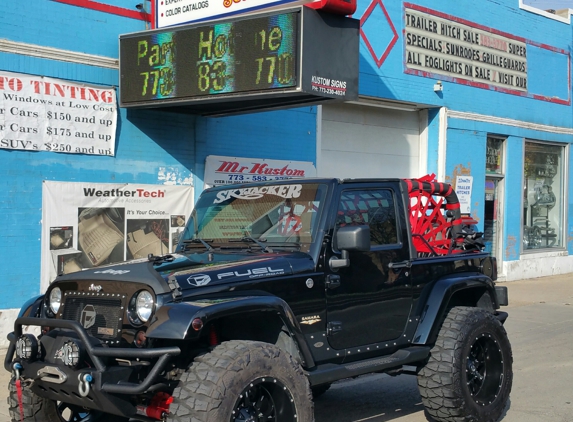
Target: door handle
399, 265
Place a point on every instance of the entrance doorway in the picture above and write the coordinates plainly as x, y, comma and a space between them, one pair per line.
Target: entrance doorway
491, 212
493, 207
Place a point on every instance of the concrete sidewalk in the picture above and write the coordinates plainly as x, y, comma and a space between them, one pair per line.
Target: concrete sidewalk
549, 363
556, 289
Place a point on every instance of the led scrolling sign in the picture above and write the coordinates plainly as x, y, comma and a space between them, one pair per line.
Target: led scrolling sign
216, 59
255, 62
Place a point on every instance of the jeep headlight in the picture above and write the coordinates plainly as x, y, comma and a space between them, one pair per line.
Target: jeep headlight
144, 305
55, 300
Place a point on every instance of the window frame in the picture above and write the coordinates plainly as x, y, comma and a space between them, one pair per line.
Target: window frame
563, 219
375, 247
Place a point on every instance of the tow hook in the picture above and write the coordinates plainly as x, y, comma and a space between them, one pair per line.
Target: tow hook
16, 369
84, 385
18, 382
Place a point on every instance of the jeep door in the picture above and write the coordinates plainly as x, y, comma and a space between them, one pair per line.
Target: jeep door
368, 302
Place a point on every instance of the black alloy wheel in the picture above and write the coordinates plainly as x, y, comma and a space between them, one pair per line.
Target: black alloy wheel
484, 369
243, 381
468, 376
264, 399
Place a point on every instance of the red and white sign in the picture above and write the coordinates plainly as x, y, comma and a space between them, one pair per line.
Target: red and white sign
228, 170
177, 12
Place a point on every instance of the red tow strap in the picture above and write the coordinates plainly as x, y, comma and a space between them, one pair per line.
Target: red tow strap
20, 403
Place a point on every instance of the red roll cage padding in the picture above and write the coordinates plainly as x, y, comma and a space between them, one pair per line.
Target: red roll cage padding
433, 231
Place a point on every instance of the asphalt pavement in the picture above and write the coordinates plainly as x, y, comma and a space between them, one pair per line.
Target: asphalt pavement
540, 327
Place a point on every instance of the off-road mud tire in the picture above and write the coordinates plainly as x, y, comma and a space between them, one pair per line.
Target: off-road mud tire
215, 384
38, 409
471, 343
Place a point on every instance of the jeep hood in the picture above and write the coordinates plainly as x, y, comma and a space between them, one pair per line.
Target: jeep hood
194, 271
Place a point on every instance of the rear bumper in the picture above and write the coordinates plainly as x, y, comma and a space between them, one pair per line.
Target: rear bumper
109, 388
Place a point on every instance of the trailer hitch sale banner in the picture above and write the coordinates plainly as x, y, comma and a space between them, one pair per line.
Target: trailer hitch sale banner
44, 114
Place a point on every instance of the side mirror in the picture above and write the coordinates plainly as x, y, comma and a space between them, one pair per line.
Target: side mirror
350, 238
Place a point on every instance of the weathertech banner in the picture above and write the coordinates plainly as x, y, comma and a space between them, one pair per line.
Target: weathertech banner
228, 170
44, 114
86, 225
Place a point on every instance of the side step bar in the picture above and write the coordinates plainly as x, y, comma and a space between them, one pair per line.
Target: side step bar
330, 372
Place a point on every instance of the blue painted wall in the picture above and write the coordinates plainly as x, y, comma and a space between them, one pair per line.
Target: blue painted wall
149, 140
146, 141
548, 71
549, 43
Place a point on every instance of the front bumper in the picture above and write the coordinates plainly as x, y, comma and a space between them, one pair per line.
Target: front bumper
109, 391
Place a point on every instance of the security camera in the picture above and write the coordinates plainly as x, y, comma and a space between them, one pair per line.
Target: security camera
139, 6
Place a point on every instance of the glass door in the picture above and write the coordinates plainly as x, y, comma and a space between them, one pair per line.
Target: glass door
491, 224
493, 207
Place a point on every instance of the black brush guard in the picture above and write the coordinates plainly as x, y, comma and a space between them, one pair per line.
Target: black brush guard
108, 391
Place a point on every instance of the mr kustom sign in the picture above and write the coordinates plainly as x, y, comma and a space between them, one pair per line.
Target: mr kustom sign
227, 170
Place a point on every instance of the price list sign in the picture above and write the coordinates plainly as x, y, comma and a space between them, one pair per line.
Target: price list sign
223, 58
38, 113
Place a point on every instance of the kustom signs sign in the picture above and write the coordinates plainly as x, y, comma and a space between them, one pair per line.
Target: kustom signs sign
44, 114
227, 170
177, 12
87, 225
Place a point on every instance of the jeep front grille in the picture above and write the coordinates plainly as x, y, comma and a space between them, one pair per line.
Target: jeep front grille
101, 317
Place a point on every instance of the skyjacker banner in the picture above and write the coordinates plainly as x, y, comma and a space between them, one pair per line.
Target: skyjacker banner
87, 225
44, 114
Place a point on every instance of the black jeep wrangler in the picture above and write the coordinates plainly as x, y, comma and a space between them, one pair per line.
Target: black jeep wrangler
275, 291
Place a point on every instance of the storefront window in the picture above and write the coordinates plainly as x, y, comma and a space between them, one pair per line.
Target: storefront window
543, 196
493, 155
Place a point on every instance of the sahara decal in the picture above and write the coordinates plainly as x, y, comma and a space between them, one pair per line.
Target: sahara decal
199, 280
252, 273
284, 191
309, 320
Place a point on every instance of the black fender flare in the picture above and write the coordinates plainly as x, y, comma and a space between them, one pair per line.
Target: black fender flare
173, 321
438, 299
31, 307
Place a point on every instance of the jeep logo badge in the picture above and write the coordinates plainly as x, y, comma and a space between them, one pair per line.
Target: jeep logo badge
88, 316
95, 288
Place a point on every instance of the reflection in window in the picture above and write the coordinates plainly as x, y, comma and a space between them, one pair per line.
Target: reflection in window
543, 195
279, 214
494, 151
374, 208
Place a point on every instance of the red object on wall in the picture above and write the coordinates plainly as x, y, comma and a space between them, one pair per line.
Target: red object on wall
107, 8
338, 7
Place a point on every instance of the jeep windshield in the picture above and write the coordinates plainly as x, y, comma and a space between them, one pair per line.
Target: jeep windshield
278, 215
